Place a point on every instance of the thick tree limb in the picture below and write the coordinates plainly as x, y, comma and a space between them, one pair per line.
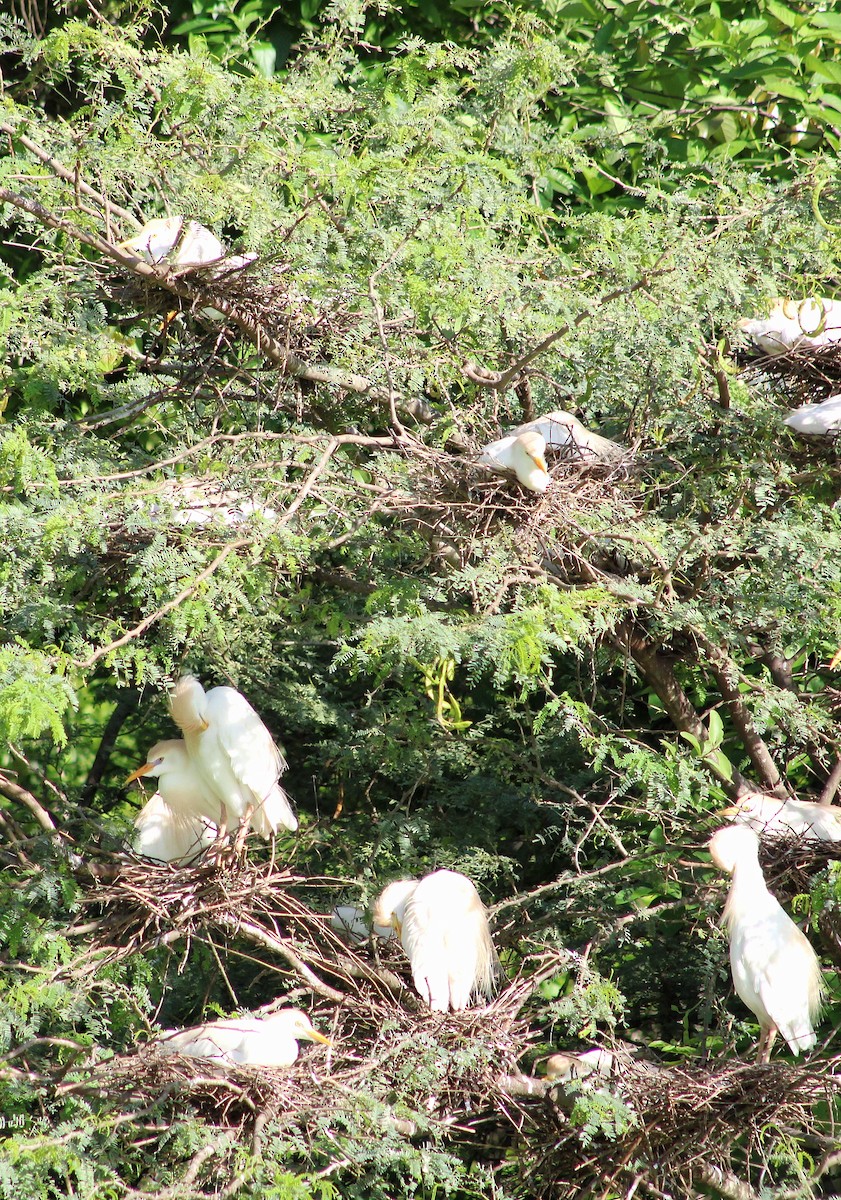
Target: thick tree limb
21, 796
727, 677
660, 675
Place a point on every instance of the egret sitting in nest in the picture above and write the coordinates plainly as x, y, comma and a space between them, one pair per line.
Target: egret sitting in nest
562, 431
234, 754
176, 241
270, 1041
795, 325
524, 454
775, 971
176, 825
798, 818
443, 927
817, 420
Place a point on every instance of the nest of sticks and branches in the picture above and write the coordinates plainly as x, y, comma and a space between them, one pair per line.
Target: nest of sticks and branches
803, 376
790, 865
464, 503
396, 1070
690, 1128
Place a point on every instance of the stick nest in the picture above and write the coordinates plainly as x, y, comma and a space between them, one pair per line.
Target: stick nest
801, 376
690, 1126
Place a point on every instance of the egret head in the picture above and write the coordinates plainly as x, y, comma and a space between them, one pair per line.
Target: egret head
164, 758
391, 903
753, 808
186, 703
528, 458
291, 1022
732, 845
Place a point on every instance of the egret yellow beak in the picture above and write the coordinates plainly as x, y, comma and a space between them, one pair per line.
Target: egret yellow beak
732, 811
204, 725
541, 462
315, 1036
836, 659
144, 770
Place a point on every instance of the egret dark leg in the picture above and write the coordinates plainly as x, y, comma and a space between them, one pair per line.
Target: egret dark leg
766, 1041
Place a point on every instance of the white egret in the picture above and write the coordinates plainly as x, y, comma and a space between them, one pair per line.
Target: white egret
195, 502
351, 923
443, 927
176, 241
817, 420
163, 833
178, 821
795, 325
524, 454
270, 1041
801, 818
233, 752
776, 973
562, 431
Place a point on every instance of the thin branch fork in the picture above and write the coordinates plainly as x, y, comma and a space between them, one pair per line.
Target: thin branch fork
501, 381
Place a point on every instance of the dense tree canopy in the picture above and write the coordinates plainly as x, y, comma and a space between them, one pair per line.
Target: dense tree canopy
268, 477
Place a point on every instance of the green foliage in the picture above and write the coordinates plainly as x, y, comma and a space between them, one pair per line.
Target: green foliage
594, 179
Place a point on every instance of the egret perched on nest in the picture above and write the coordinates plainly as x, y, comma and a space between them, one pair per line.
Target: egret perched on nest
562, 431
795, 325
233, 752
177, 823
443, 927
270, 1041
524, 454
176, 241
800, 818
817, 420
775, 970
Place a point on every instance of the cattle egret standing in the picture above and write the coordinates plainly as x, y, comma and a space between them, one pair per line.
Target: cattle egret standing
801, 818
177, 822
817, 420
176, 242
524, 454
443, 927
775, 970
270, 1041
233, 752
795, 325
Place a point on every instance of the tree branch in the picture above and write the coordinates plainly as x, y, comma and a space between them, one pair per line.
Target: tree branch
727, 677
15, 792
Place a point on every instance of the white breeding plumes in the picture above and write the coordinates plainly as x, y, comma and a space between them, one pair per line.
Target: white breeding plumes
163, 833
270, 1041
178, 821
443, 928
351, 923
562, 431
775, 970
800, 818
795, 325
817, 420
524, 454
233, 752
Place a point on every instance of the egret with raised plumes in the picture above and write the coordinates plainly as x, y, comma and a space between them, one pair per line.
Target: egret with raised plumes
235, 755
776, 973
177, 823
443, 927
270, 1041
